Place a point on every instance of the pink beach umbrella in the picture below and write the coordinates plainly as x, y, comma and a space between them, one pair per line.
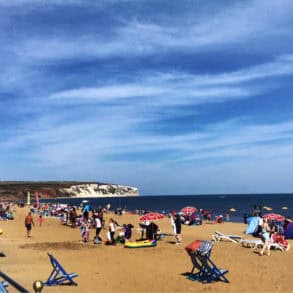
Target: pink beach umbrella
151, 217
188, 210
274, 217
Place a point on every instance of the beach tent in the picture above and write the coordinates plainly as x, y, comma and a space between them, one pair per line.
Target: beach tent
289, 231
252, 223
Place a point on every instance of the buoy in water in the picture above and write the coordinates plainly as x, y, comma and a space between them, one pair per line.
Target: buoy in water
232, 210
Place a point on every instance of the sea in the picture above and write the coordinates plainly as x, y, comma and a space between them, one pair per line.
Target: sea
242, 205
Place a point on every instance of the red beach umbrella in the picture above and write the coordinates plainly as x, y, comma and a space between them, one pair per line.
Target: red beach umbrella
151, 217
274, 217
188, 210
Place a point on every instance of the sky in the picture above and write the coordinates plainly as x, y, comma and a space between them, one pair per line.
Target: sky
172, 97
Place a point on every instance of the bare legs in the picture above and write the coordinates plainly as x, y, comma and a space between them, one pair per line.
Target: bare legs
267, 246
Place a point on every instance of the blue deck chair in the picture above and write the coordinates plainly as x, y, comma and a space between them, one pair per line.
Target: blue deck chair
9, 281
207, 271
3, 286
58, 275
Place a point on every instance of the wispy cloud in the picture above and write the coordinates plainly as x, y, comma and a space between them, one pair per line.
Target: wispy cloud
179, 89
251, 22
153, 91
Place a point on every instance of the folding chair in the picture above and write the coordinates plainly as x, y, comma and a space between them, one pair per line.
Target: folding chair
58, 275
12, 282
3, 286
207, 271
219, 236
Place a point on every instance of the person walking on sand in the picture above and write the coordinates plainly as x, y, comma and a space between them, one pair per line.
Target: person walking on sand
266, 237
29, 222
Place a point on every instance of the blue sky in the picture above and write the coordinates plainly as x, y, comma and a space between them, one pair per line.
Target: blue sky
173, 97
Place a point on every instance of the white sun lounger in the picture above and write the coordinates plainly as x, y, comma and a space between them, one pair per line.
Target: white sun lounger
219, 236
251, 243
257, 243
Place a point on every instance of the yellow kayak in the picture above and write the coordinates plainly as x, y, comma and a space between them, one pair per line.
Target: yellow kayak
140, 243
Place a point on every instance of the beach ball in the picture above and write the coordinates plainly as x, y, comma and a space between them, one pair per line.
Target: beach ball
1, 231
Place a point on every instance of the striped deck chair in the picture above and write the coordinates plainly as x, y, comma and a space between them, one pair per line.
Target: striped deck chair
204, 270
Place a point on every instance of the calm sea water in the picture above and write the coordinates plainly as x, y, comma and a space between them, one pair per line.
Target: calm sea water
218, 204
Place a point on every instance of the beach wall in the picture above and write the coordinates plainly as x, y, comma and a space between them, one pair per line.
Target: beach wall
18, 190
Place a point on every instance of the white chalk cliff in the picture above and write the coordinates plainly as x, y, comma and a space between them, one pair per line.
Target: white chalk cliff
99, 190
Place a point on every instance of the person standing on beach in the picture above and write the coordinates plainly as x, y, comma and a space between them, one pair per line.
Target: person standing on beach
177, 227
98, 223
111, 232
266, 237
29, 222
41, 220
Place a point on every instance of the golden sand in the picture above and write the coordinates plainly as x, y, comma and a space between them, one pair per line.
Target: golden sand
163, 268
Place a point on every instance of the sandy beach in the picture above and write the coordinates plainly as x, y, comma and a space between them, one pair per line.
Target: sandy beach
163, 268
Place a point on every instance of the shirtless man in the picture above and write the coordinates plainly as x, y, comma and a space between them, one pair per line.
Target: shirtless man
29, 222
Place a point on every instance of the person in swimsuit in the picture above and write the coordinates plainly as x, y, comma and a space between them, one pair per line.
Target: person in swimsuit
266, 237
29, 222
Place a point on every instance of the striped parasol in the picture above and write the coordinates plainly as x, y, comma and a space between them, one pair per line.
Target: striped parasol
188, 210
151, 217
274, 217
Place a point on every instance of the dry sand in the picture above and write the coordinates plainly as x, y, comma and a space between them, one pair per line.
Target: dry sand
163, 268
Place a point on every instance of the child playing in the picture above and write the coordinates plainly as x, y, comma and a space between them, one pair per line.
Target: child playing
40, 220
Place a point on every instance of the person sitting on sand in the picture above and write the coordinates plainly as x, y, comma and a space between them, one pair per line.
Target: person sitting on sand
29, 222
151, 231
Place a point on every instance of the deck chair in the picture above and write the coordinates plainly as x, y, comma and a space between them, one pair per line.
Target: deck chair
207, 271
219, 236
8, 281
3, 286
58, 275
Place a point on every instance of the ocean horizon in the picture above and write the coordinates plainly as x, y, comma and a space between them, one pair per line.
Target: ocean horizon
217, 203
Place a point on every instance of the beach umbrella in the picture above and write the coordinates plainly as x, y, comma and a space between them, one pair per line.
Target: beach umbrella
188, 210
274, 217
151, 217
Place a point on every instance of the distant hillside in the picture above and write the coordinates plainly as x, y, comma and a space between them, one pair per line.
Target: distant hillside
17, 190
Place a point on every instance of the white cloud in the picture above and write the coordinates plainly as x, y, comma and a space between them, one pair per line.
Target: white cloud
251, 22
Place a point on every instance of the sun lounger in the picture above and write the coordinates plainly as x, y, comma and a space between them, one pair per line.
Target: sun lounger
58, 275
251, 243
258, 243
219, 236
